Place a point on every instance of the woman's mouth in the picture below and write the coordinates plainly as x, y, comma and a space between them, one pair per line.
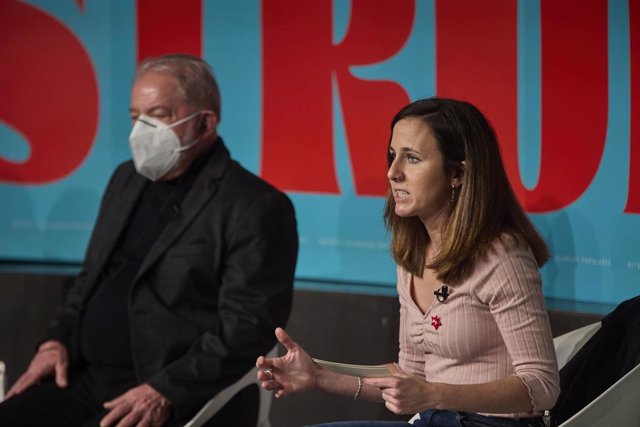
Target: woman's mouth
400, 194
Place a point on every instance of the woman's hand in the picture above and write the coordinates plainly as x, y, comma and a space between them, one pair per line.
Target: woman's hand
404, 393
292, 373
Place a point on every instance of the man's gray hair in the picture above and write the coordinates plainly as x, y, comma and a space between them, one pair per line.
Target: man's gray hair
194, 75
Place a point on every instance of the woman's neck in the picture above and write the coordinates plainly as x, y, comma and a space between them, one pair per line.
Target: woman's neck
434, 227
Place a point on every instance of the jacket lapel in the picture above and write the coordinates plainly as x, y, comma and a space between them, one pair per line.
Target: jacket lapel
201, 192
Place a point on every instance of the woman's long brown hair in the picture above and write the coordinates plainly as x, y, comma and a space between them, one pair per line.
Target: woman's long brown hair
486, 208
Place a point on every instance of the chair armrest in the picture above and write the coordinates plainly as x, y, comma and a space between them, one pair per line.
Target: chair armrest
416, 417
219, 400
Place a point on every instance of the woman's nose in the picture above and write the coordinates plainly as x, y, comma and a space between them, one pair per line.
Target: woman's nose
394, 174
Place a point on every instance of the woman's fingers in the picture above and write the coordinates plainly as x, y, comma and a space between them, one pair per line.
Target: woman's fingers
266, 375
381, 382
285, 339
263, 363
291, 373
270, 385
280, 393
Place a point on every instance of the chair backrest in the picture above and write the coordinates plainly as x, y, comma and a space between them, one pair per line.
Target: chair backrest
219, 400
567, 345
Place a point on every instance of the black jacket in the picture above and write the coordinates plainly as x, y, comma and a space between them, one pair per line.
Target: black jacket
212, 289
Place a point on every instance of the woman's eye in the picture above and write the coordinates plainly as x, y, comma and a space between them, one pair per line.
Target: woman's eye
413, 159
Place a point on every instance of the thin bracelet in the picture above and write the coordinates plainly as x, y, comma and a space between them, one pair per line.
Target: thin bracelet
355, 396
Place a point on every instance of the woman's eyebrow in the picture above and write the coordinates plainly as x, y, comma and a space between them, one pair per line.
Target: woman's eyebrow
409, 150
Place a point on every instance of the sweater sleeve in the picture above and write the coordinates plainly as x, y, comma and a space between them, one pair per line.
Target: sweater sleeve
514, 297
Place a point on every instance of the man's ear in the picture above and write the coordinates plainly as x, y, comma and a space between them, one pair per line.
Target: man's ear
209, 122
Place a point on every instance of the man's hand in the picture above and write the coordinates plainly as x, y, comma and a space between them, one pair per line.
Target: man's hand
141, 406
52, 358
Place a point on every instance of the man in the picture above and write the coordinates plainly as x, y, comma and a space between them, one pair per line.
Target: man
188, 271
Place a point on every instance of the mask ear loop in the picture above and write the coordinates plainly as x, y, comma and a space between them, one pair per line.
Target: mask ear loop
186, 147
184, 119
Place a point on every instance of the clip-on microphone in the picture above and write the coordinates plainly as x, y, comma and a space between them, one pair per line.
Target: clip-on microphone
442, 294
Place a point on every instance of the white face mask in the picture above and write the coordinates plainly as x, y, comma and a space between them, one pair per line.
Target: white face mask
155, 147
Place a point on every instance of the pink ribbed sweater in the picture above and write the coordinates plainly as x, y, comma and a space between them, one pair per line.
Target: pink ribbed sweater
490, 327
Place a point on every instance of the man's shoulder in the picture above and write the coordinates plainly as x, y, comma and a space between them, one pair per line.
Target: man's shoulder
233, 176
245, 181
124, 167
241, 189
123, 171
121, 177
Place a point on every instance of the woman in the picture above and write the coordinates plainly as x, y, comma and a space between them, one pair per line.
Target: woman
475, 342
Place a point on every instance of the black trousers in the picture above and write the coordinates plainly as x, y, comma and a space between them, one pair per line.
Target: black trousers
47, 405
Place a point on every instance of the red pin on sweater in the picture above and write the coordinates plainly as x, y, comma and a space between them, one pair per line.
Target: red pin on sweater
435, 322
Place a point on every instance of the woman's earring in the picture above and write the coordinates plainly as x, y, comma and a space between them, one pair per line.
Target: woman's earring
453, 193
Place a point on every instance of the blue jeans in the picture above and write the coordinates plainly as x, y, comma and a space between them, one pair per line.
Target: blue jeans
435, 418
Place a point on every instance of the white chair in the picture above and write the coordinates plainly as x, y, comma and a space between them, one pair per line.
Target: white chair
567, 345
221, 399
3, 380
618, 406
